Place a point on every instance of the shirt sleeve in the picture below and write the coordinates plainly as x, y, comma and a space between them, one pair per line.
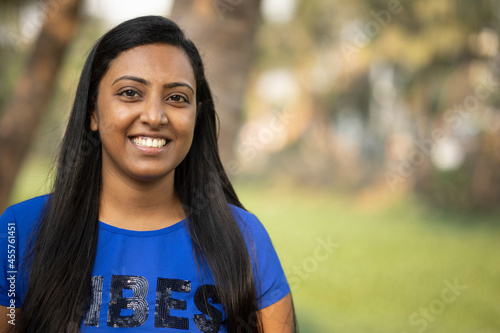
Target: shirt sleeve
9, 257
270, 280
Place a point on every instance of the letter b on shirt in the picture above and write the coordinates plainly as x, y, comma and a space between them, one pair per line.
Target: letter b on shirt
137, 303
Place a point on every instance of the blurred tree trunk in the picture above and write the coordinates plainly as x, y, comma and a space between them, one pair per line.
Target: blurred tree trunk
22, 114
224, 32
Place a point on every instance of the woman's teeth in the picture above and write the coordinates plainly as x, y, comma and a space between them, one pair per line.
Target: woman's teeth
150, 142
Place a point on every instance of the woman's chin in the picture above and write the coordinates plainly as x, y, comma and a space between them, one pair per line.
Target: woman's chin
151, 176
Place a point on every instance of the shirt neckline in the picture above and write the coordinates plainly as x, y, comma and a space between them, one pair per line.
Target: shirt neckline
136, 233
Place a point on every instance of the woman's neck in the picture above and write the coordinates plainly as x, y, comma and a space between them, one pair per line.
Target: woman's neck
137, 205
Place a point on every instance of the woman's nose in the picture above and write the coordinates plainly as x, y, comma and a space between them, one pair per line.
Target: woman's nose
154, 114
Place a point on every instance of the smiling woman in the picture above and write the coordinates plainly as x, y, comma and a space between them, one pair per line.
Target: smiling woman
145, 114
143, 229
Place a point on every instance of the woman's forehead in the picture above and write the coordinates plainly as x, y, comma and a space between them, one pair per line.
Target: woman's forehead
154, 61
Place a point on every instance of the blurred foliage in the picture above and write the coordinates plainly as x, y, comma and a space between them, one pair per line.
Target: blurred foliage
35, 175
382, 75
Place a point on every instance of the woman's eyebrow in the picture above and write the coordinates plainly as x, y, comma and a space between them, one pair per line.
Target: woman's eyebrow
177, 84
146, 82
133, 78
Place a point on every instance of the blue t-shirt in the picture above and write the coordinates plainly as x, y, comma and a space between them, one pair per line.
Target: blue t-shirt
144, 280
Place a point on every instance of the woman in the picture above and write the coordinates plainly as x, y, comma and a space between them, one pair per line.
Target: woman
143, 229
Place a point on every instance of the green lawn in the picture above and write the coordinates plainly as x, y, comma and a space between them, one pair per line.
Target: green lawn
393, 267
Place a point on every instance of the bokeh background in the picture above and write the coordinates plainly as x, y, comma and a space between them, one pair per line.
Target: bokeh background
365, 134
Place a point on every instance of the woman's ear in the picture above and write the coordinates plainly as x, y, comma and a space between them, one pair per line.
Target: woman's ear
94, 121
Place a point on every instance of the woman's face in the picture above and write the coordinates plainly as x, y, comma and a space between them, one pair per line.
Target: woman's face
145, 112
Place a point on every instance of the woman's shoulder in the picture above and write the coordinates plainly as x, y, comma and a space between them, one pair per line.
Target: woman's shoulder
271, 283
245, 218
25, 212
250, 224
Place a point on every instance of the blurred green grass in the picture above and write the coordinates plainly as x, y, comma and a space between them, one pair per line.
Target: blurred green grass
392, 257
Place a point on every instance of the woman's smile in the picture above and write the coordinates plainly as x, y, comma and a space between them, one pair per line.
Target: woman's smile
150, 145
149, 142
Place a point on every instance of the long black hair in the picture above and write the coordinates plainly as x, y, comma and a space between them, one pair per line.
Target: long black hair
63, 248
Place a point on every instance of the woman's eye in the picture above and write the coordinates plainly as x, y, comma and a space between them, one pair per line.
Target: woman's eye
129, 93
177, 98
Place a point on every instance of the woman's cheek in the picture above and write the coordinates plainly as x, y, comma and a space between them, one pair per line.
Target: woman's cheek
187, 123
